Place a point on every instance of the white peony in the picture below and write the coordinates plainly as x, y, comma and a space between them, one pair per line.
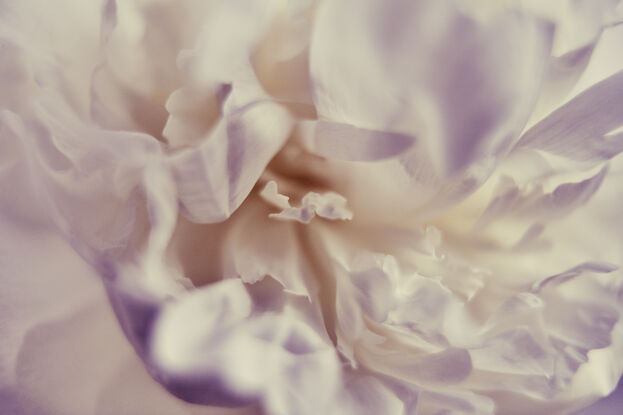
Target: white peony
304, 207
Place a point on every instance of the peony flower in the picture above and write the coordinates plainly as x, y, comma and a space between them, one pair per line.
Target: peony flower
303, 207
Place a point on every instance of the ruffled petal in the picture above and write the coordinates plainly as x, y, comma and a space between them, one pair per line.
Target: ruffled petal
433, 305
59, 61
235, 358
137, 70
257, 246
534, 205
215, 178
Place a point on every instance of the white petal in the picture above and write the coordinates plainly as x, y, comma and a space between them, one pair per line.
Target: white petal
257, 246
274, 358
460, 402
382, 72
564, 198
368, 396
574, 272
137, 70
579, 129
69, 159
340, 141
214, 178
59, 60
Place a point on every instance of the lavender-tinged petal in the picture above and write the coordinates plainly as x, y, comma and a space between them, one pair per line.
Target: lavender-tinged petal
466, 109
282, 355
338, 141
573, 273
368, 396
214, 178
564, 198
562, 74
579, 129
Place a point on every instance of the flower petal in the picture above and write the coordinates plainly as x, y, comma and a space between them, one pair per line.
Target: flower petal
579, 129
234, 358
340, 141
462, 85
368, 396
214, 178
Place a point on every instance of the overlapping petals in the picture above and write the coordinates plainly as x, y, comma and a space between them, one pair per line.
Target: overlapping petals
349, 207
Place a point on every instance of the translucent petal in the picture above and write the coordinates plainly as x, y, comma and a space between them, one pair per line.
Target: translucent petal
579, 129
474, 106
